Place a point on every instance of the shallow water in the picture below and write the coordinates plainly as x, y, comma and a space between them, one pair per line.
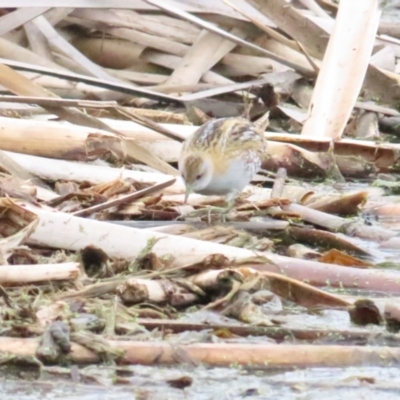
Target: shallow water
220, 383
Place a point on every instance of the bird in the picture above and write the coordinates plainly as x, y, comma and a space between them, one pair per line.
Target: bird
221, 158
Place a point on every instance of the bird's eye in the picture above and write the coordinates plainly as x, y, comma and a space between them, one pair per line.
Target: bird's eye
198, 177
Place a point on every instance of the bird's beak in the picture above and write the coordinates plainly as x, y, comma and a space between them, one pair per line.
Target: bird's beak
189, 189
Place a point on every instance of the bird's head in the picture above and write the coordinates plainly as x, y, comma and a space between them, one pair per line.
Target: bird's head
196, 171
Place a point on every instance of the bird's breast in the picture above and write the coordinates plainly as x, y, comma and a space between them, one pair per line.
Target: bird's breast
235, 176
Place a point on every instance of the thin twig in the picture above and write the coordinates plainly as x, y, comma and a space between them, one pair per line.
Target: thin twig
125, 199
49, 102
148, 123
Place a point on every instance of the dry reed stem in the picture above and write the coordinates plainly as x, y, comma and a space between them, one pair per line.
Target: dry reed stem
22, 274
226, 354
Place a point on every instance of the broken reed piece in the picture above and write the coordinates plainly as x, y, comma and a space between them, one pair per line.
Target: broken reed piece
19, 274
50, 102
300, 292
125, 199
279, 183
223, 354
338, 224
13, 168
280, 333
167, 226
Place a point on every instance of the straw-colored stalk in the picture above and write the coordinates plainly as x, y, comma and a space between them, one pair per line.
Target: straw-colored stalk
53, 170
225, 354
343, 69
22, 274
57, 140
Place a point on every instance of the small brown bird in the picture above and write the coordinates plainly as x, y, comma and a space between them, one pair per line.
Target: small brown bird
222, 157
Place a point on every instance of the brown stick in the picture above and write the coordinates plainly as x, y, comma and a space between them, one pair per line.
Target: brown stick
224, 354
275, 332
125, 199
323, 274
